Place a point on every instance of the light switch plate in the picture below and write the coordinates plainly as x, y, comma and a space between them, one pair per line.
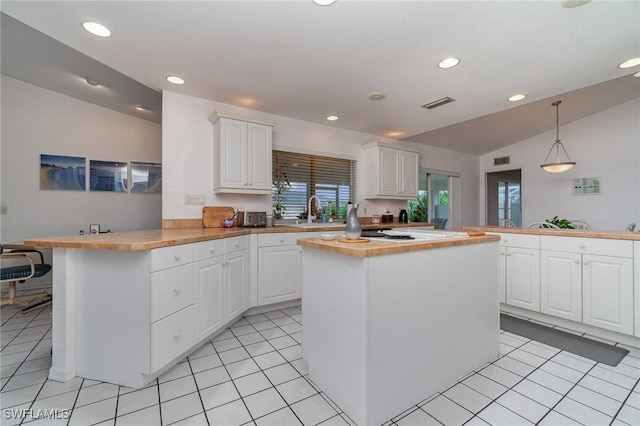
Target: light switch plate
197, 199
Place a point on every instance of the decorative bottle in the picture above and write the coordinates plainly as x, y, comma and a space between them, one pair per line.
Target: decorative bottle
353, 230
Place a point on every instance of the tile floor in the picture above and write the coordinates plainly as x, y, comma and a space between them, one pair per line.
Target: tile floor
253, 373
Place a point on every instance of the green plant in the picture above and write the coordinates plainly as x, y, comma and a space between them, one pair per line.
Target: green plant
560, 223
418, 208
281, 184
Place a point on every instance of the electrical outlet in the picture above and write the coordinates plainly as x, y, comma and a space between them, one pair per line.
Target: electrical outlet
4, 210
191, 199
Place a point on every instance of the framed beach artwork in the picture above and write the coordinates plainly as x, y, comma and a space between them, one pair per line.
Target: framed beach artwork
110, 176
146, 177
61, 172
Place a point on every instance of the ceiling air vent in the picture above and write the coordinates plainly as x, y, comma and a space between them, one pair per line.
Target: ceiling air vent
501, 160
439, 102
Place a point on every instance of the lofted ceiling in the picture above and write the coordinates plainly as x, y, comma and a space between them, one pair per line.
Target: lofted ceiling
299, 60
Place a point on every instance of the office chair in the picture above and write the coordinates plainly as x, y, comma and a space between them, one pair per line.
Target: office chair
22, 269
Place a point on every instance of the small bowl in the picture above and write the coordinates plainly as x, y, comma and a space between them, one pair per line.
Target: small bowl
328, 237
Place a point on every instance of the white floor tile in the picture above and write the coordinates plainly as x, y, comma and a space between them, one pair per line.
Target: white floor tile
18, 381
554, 418
264, 325
93, 413
467, 398
539, 349
205, 362
283, 342
538, 393
629, 415
63, 401
296, 390
19, 396
446, 411
242, 330
527, 357
497, 415
137, 400
605, 388
291, 353
212, 377
281, 373
260, 348
581, 413
269, 360
485, 386
95, 393
180, 408
218, 395
149, 416
564, 372
197, 420
301, 365
242, 368
634, 400
234, 355
417, 418
595, 400
250, 338
613, 377
313, 410
551, 381
52, 388
226, 344
182, 369
523, 406
204, 350
252, 383
577, 363
500, 375
282, 417
233, 413
177, 388
336, 420
515, 366
265, 402
629, 370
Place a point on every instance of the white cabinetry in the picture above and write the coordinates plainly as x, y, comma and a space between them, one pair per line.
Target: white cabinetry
279, 266
589, 280
242, 155
519, 274
394, 172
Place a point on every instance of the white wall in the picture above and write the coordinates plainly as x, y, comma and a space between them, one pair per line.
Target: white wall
187, 141
37, 121
604, 145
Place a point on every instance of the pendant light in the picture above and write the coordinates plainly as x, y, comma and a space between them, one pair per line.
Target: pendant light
557, 166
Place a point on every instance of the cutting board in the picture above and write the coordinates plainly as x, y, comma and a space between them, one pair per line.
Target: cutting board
212, 216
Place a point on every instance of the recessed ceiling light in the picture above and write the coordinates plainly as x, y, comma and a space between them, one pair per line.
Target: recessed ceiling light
332, 117
141, 107
376, 96
91, 81
96, 29
448, 63
175, 79
324, 2
630, 63
518, 97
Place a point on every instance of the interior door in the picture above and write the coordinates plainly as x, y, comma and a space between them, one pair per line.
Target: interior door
504, 197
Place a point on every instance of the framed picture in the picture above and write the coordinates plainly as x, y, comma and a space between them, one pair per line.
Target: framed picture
61, 172
108, 176
94, 229
146, 177
586, 186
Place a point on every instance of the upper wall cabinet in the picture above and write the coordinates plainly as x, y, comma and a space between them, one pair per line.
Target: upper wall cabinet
242, 155
393, 171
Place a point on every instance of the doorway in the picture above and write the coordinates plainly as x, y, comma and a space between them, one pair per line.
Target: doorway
504, 197
440, 192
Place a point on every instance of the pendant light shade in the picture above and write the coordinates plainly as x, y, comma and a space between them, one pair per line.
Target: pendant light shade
558, 166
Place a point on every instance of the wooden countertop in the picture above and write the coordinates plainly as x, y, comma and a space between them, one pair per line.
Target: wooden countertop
156, 238
583, 233
379, 248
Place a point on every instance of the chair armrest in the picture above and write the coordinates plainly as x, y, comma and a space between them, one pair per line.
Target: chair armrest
21, 248
24, 257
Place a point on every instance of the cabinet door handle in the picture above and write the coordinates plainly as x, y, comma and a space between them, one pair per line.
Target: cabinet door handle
581, 246
282, 240
508, 254
177, 290
212, 250
586, 262
177, 336
505, 240
237, 243
576, 261
177, 257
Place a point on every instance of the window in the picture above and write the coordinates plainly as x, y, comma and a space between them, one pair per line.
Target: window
296, 177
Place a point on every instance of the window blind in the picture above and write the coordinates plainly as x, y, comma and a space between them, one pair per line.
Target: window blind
296, 177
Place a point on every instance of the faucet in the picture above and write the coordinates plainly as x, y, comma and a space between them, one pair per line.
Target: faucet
309, 220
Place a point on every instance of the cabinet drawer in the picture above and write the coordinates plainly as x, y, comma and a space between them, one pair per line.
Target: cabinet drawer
171, 290
172, 336
168, 257
518, 240
209, 249
601, 246
235, 244
285, 239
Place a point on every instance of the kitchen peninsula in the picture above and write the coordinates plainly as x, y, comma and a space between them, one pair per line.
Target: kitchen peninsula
387, 324
171, 290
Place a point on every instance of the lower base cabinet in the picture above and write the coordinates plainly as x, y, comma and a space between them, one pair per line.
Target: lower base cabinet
523, 278
279, 267
561, 284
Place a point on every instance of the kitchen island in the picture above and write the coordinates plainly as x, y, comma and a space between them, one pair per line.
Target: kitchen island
387, 324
